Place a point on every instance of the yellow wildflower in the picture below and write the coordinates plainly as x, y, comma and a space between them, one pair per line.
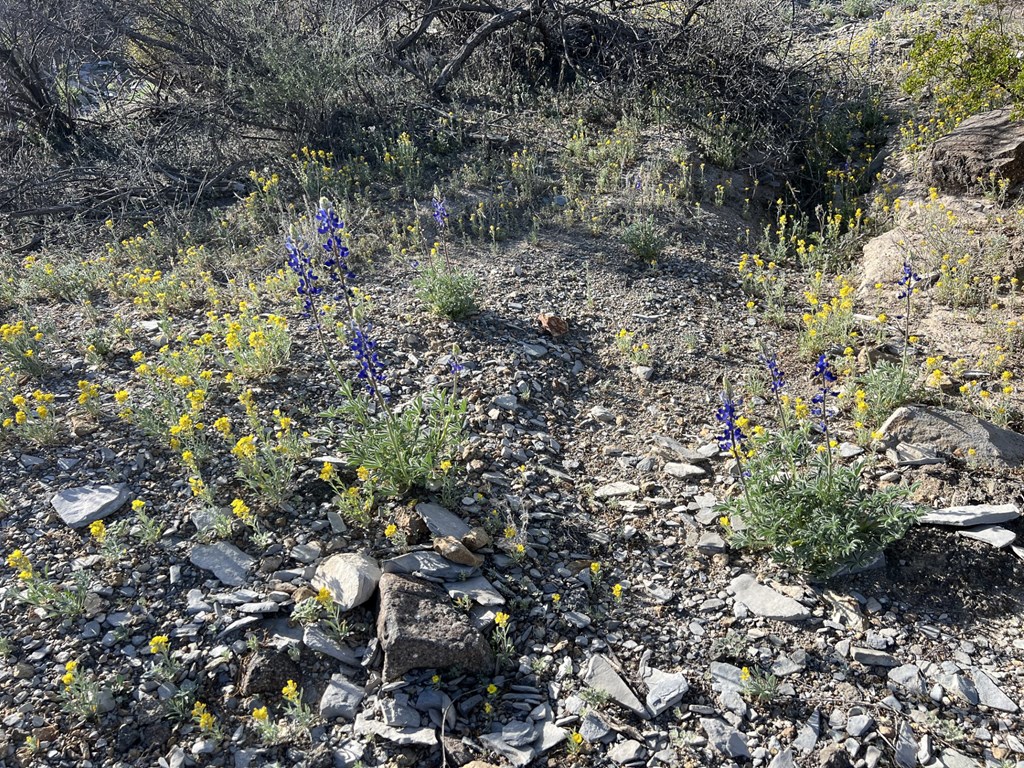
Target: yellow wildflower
159, 644
290, 691
98, 529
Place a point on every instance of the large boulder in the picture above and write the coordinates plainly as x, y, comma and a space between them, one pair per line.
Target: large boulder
419, 628
953, 433
980, 145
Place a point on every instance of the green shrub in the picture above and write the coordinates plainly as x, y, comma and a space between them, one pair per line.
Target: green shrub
446, 290
812, 516
798, 503
401, 447
644, 239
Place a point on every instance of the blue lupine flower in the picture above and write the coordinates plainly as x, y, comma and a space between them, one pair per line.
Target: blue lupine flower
440, 213
907, 280
327, 220
455, 365
823, 371
732, 437
824, 374
778, 380
301, 264
364, 349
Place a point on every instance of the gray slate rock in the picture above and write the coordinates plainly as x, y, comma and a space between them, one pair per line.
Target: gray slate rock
950, 758
672, 446
725, 738
783, 760
351, 578
711, 543
616, 490
341, 698
765, 601
516, 756
683, 471
725, 677
317, 640
909, 677
808, 734
951, 433
478, 589
518, 733
429, 565
860, 725
601, 675
872, 658
664, 690
971, 515
227, 562
906, 746
404, 737
442, 522
627, 751
993, 535
990, 695
78, 507
418, 627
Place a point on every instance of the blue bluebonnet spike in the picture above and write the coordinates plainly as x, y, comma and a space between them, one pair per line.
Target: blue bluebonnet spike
732, 435
440, 213
778, 379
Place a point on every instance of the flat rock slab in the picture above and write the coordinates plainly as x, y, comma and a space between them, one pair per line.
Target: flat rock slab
477, 589
78, 507
404, 737
516, 756
227, 562
616, 490
993, 535
674, 447
664, 690
725, 738
351, 578
953, 433
950, 758
602, 676
684, 471
872, 658
765, 601
428, 564
990, 695
341, 698
442, 522
418, 627
971, 515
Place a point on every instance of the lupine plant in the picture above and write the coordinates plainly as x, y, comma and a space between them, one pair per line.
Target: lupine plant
401, 446
447, 290
798, 502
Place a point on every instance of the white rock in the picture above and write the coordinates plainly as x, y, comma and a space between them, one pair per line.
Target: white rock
615, 490
350, 577
683, 471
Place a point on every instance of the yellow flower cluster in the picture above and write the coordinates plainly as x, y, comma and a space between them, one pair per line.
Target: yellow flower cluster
17, 559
